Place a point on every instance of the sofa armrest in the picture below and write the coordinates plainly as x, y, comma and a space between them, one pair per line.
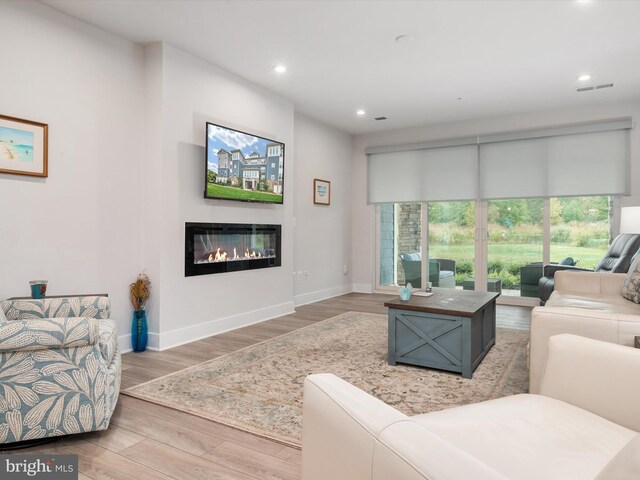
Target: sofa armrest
48, 333
597, 376
349, 435
340, 426
549, 321
589, 283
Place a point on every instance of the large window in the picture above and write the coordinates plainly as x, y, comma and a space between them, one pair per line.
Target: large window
518, 235
537, 198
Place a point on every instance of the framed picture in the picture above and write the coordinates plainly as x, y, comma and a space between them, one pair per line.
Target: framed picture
23, 147
321, 192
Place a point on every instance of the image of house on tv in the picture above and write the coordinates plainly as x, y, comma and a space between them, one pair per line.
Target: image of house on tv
255, 171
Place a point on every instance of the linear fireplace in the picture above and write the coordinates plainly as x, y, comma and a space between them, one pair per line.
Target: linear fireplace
230, 247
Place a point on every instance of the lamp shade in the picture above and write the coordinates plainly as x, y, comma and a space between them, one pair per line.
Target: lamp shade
630, 220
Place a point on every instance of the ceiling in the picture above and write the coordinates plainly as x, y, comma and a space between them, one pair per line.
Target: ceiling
464, 59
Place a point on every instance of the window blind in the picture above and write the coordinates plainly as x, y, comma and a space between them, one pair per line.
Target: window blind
447, 173
580, 160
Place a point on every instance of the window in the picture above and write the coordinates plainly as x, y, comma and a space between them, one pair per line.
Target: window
273, 151
273, 177
273, 164
504, 243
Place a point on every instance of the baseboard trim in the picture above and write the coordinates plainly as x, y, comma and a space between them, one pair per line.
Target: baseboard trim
362, 288
180, 336
311, 297
124, 343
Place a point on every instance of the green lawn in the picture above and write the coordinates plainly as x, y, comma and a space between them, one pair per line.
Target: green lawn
521, 253
221, 191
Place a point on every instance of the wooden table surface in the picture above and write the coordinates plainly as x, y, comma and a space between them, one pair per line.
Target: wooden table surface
447, 301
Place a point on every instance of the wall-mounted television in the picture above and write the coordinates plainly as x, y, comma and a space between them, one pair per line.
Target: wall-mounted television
241, 166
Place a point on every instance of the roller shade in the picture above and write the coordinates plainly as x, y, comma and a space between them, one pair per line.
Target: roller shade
570, 160
447, 173
595, 163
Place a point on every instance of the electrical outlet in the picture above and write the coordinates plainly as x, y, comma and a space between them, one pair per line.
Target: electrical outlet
306, 275
345, 269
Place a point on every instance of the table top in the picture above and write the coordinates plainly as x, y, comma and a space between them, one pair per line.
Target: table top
446, 301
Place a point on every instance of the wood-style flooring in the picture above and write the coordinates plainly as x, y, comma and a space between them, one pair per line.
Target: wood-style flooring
147, 441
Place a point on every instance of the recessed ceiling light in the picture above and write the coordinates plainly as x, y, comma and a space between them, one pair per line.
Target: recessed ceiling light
280, 68
583, 1
403, 38
583, 77
360, 113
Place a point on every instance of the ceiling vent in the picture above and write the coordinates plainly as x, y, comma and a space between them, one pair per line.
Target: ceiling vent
380, 118
594, 87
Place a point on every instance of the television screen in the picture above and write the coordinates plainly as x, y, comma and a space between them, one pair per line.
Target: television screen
241, 166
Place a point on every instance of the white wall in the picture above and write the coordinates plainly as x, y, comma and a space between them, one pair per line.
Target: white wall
322, 235
194, 92
363, 214
126, 153
78, 228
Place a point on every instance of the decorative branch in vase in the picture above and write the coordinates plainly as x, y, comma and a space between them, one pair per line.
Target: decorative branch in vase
139, 292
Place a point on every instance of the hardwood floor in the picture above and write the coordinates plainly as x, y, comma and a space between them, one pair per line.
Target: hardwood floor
148, 441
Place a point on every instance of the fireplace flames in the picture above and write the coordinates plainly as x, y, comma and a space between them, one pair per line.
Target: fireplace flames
221, 255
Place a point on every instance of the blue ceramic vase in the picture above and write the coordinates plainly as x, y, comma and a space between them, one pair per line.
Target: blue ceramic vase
139, 330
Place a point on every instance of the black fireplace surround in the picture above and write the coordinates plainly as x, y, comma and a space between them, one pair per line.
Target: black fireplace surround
230, 247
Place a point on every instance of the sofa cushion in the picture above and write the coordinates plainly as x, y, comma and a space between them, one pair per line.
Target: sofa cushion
625, 465
411, 257
531, 436
3, 318
603, 303
631, 285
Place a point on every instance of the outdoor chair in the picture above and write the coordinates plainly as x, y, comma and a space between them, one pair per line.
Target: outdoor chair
442, 271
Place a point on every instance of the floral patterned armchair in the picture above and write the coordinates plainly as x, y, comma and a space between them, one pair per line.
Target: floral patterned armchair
59, 367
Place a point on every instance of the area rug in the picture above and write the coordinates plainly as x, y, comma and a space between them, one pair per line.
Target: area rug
259, 388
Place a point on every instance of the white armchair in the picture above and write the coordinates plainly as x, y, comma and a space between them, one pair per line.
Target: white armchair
584, 424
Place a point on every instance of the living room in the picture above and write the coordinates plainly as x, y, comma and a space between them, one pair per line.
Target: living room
135, 84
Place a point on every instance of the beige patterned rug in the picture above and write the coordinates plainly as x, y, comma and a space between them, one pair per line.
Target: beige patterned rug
259, 388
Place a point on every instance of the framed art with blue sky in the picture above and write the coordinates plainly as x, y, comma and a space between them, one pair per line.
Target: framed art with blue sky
23, 147
321, 192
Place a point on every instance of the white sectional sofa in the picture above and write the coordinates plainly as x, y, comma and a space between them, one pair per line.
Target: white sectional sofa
589, 304
584, 425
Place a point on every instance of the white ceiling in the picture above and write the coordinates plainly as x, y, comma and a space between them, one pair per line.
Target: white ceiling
501, 57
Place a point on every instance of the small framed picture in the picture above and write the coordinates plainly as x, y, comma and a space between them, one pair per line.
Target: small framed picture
23, 147
321, 192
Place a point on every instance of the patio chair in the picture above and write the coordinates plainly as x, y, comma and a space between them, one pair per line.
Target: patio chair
442, 271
